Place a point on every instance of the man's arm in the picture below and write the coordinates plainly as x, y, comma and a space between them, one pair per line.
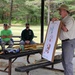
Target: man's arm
10, 36
63, 27
32, 35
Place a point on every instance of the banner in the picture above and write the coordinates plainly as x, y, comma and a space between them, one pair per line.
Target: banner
51, 40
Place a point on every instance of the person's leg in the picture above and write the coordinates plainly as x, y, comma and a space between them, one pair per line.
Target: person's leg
22, 42
10, 43
67, 56
3, 45
0, 40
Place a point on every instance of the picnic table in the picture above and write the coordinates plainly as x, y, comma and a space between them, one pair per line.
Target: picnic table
12, 57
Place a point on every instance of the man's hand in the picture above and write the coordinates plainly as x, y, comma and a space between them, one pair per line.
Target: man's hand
3, 36
63, 27
6, 36
27, 41
55, 19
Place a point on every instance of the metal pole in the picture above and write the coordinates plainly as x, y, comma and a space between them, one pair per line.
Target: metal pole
42, 20
11, 6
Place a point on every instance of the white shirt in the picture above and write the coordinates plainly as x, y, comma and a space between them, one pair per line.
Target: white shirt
70, 25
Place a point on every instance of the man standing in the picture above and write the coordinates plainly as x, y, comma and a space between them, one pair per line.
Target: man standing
67, 36
27, 36
6, 36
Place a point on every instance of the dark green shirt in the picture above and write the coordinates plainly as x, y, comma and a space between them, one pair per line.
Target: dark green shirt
27, 35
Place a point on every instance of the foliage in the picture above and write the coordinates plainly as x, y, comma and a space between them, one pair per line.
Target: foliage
30, 10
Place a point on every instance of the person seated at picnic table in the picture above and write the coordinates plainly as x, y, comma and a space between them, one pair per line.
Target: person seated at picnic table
6, 36
27, 35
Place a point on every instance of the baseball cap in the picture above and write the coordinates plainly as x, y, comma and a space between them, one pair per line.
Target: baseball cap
27, 24
6, 25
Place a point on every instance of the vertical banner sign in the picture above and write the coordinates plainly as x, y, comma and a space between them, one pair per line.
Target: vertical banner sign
51, 40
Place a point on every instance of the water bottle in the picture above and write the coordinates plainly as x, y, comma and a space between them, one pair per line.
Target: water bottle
22, 48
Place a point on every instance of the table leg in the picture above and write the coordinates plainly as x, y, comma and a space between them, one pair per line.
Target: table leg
28, 59
8, 68
10, 65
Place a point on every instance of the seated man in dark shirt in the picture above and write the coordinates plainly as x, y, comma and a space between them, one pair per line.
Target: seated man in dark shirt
27, 36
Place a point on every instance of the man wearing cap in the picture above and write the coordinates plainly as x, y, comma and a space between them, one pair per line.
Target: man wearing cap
67, 36
27, 35
6, 36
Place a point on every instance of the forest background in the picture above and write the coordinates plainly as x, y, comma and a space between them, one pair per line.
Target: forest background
30, 10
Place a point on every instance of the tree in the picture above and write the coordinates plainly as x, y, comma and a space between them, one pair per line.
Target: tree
30, 10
